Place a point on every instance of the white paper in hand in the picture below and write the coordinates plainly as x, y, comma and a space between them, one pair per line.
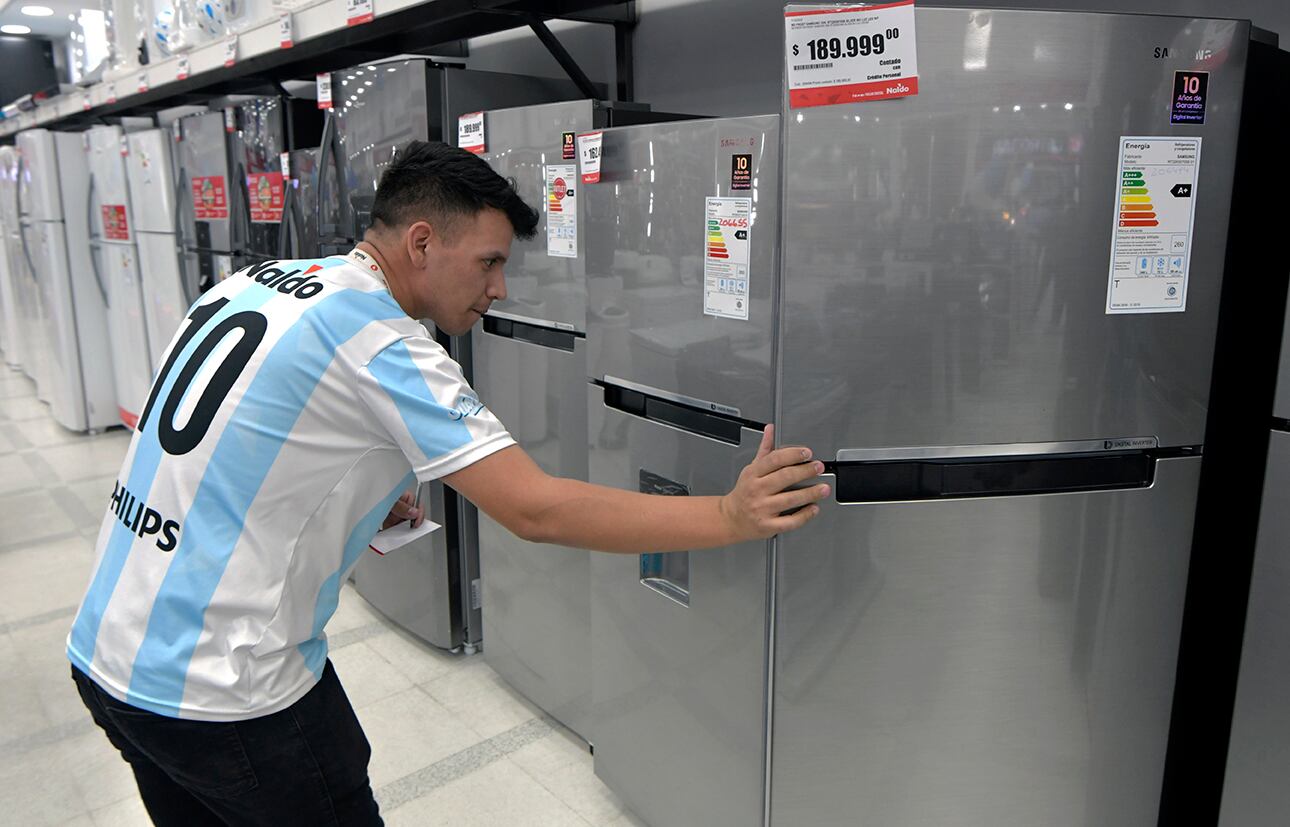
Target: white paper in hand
398, 536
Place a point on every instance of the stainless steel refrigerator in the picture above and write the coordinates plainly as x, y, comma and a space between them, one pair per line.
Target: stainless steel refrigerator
68, 333
266, 129
297, 232
168, 269
530, 368
13, 268
983, 627
682, 287
207, 197
431, 588
114, 260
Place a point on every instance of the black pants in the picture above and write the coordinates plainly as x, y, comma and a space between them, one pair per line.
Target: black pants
304, 765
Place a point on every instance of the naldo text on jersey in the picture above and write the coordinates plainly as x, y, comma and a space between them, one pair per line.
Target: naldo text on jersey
299, 283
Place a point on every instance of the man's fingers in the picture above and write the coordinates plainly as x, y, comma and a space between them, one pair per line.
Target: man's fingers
791, 476
779, 458
796, 498
767, 442
796, 520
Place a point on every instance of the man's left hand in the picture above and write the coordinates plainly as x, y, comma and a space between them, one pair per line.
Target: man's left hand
405, 509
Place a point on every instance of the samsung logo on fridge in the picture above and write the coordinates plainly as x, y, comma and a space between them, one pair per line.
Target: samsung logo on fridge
1129, 444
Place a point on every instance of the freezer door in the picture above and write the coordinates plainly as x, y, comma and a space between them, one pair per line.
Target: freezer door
678, 640
132, 360
1258, 757
418, 585
109, 208
948, 254
1281, 405
1001, 661
524, 144
151, 181
165, 302
648, 236
208, 195
301, 217
536, 598
40, 197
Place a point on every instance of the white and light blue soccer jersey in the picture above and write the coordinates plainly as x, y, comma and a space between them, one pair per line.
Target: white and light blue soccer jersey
295, 404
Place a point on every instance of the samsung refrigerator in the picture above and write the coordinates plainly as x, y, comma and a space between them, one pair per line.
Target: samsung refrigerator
530, 368
998, 325
682, 288
205, 194
69, 335
168, 270
114, 259
270, 131
432, 588
297, 234
13, 272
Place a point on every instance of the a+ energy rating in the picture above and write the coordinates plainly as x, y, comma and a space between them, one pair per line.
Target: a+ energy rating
1136, 209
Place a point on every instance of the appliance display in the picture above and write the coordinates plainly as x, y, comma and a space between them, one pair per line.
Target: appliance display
432, 588
984, 626
167, 270
297, 234
115, 262
681, 388
206, 193
69, 334
267, 128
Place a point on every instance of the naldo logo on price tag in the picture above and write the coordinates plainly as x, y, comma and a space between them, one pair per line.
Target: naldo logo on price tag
839, 55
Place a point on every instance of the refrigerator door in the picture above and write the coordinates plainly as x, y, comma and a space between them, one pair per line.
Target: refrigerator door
678, 640
260, 141
949, 253
1258, 757
166, 303
526, 144
536, 598
649, 244
32, 322
13, 272
151, 181
208, 196
41, 197
109, 210
298, 237
132, 358
1281, 404
996, 661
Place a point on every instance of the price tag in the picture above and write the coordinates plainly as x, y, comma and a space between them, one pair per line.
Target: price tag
284, 30
323, 82
111, 95
230, 52
143, 81
850, 54
85, 102
124, 146
358, 11
177, 128
589, 146
470, 132
230, 119
181, 68
284, 160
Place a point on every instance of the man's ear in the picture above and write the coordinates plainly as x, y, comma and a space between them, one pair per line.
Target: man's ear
418, 238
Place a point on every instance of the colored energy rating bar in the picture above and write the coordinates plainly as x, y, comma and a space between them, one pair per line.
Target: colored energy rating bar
1136, 209
716, 242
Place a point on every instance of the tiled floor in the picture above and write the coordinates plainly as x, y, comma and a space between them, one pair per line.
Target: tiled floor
451, 743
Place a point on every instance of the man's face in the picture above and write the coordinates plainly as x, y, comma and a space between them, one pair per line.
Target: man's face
460, 276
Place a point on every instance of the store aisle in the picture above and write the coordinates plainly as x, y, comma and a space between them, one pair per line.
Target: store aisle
451, 744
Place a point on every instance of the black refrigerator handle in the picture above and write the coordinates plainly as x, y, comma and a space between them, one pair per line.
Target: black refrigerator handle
326, 155
181, 240
22, 228
95, 243
287, 223
241, 244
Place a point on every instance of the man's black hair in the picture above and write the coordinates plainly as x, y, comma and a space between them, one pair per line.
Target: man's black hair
431, 181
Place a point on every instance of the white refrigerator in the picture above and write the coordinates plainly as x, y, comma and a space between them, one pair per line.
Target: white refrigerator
114, 259
11, 266
166, 289
70, 334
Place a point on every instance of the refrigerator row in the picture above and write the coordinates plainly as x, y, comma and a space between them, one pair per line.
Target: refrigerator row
951, 298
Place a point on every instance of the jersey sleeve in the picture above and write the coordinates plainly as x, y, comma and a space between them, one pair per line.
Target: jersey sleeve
418, 396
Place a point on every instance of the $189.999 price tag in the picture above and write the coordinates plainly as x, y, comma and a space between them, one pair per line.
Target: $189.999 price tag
850, 54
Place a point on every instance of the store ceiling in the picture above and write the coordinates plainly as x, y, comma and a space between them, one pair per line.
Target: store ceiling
56, 26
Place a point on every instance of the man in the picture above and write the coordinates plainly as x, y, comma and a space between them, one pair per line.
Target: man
295, 405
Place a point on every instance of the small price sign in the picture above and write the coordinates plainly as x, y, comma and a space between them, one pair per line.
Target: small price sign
589, 147
85, 102
181, 68
143, 81
470, 133
230, 52
284, 160
284, 31
323, 82
358, 12
111, 93
850, 54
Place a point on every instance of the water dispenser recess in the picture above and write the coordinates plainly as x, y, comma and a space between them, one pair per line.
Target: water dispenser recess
667, 573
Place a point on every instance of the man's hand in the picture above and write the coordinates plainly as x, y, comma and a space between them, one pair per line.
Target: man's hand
405, 509
755, 507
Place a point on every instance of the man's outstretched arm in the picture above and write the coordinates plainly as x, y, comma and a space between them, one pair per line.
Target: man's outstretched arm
509, 487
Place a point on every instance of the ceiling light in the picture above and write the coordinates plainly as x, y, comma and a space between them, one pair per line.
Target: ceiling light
37, 11
14, 28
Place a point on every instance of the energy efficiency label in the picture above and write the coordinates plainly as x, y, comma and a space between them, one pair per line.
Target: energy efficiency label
1152, 231
727, 222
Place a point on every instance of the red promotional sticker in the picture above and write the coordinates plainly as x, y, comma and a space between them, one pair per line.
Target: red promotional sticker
210, 200
265, 191
115, 226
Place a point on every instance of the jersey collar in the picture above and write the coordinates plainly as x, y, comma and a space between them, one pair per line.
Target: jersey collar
366, 263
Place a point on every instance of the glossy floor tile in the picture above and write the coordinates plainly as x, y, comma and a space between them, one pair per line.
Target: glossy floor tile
452, 744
